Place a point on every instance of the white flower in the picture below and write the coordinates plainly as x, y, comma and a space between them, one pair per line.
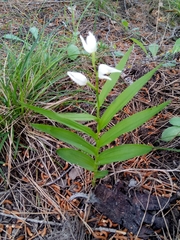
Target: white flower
78, 78
104, 70
90, 45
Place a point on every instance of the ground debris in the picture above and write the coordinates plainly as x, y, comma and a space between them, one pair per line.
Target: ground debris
139, 212
71, 229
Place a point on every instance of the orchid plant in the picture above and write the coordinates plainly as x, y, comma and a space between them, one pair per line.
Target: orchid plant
82, 153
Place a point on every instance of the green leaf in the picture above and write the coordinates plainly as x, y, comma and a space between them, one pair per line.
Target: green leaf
67, 122
108, 86
167, 149
78, 116
176, 47
170, 64
170, 133
73, 51
5, 135
101, 174
118, 54
67, 136
124, 98
125, 23
140, 45
130, 123
13, 37
76, 157
153, 48
34, 31
175, 121
122, 153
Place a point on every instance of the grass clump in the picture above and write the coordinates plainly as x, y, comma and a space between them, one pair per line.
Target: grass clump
30, 71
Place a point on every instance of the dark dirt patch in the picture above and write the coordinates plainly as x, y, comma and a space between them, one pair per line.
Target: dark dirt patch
140, 212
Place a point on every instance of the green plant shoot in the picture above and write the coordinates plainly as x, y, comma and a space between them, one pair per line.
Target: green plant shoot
171, 132
82, 153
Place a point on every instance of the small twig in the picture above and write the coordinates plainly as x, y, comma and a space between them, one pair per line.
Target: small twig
110, 230
64, 173
91, 198
163, 216
157, 20
78, 195
145, 212
30, 220
147, 169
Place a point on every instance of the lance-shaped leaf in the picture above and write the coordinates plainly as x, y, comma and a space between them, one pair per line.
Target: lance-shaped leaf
140, 45
123, 152
76, 157
81, 117
67, 122
66, 136
124, 98
130, 123
108, 86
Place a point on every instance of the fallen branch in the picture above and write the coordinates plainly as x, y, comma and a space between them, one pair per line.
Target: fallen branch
30, 220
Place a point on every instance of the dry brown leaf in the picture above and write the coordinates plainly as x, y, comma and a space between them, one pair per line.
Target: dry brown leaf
7, 201
43, 232
20, 238
1, 227
29, 232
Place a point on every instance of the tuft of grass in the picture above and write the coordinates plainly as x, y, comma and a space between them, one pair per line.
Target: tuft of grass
175, 4
33, 68
32, 71
172, 7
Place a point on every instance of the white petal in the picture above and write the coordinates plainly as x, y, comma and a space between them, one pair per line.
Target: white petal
102, 76
90, 45
91, 42
84, 44
78, 78
104, 70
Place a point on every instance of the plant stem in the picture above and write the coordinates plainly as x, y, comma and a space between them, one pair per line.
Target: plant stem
167, 149
98, 118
